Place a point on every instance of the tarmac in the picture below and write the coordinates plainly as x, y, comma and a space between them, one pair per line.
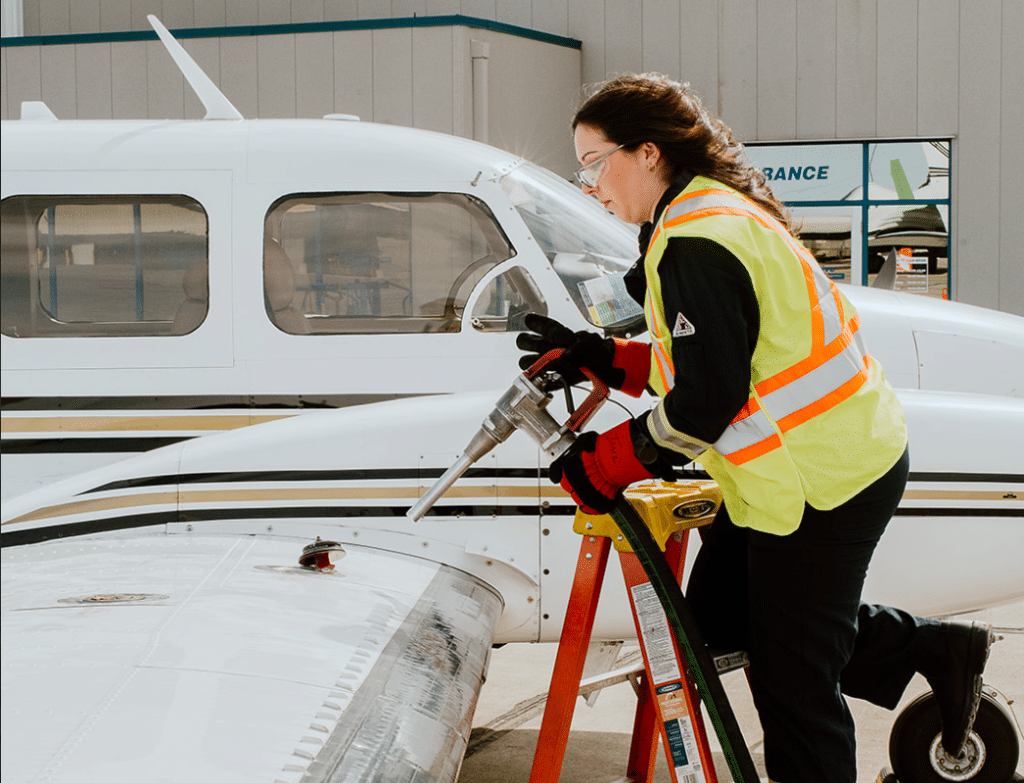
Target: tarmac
508, 716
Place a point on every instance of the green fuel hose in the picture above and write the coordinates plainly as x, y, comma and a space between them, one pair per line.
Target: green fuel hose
684, 628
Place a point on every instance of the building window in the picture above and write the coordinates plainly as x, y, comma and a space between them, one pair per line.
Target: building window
103, 266
369, 263
869, 208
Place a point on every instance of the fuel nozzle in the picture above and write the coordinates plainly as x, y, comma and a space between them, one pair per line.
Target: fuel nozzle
522, 407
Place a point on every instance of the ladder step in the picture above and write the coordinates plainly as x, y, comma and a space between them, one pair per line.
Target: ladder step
729, 661
724, 662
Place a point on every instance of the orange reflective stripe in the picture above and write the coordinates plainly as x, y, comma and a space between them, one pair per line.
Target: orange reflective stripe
667, 375
754, 451
817, 319
750, 429
804, 366
749, 409
666, 369
830, 400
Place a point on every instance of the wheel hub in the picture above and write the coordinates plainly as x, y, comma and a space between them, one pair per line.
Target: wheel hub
962, 767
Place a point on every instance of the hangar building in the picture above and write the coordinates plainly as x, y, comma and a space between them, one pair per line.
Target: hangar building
833, 97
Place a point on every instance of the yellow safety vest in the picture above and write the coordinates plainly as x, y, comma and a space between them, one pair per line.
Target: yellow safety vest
821, 422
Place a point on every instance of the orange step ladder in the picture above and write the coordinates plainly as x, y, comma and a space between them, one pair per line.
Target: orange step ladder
668, 702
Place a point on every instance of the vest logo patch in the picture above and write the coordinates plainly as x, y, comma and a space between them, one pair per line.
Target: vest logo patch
683, 328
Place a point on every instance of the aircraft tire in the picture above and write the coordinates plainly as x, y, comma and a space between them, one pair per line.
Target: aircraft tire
915, 754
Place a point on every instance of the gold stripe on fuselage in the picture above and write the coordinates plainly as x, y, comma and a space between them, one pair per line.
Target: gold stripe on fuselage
271, 494
186, 422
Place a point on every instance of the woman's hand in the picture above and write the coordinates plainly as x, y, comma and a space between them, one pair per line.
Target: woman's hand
621, 364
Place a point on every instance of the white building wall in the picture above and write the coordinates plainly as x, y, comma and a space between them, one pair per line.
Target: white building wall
773, 69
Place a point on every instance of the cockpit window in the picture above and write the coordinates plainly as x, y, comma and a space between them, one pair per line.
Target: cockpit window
377, 263
588, 248
103, 266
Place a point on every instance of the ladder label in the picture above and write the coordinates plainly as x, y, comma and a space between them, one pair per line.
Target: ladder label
681, 741
666, 676
656, 637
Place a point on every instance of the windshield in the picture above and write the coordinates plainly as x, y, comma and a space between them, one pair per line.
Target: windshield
588, 248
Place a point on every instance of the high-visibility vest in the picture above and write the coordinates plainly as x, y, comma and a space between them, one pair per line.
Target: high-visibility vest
821, 422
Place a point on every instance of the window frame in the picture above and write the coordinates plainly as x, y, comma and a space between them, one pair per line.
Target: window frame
483, 217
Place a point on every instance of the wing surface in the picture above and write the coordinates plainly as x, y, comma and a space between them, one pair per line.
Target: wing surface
202, 657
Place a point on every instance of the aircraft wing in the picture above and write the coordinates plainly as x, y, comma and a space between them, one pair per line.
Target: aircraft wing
148, 656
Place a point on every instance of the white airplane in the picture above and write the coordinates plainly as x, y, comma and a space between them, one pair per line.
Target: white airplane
223, 339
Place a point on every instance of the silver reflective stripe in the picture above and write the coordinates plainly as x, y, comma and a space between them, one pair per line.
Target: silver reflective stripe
860, 343
741, 434
811, 387
711, 201
669, 437
665, 367
832, 320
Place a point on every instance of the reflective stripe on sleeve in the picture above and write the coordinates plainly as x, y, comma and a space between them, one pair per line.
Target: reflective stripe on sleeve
666, 435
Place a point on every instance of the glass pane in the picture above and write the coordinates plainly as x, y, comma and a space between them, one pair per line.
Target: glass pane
810, 172
506, 300
583, 242
376, 263
829, 238
913, 240
103, 266
909, 170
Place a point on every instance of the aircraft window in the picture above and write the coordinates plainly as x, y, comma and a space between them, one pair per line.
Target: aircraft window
588, 248
506, 301
103, 266
375, 263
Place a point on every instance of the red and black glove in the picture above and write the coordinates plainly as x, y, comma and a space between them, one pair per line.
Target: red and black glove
622, 364
596, 468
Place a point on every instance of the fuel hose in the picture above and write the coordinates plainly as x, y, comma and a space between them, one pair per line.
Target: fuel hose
689, 640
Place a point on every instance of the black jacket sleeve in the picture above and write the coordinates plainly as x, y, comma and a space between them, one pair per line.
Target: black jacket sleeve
712, 310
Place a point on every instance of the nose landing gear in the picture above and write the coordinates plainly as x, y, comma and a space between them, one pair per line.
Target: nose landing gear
990, 756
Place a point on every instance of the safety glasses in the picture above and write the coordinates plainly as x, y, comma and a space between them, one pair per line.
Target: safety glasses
591, 173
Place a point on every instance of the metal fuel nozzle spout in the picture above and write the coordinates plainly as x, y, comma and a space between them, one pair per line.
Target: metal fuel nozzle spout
522, 407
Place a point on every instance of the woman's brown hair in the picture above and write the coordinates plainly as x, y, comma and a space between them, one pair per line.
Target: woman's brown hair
631, 110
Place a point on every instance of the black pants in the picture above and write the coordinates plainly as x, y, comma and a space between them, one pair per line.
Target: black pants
793, 602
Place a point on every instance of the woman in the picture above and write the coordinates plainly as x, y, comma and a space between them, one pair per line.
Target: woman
763, 379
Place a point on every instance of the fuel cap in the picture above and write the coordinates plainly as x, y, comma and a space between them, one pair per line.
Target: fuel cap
321, 555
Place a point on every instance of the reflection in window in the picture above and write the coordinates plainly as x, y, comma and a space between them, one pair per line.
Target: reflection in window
908, 170
103, 266
376, 263
829, 238
901, 190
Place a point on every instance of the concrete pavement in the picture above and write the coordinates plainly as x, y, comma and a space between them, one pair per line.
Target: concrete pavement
507, 719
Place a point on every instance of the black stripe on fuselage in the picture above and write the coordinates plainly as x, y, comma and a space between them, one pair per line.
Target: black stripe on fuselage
131, 521
408, 474
279, 476
85, 445
225, 403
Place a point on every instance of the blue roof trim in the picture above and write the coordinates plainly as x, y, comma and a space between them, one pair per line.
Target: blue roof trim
452, 20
